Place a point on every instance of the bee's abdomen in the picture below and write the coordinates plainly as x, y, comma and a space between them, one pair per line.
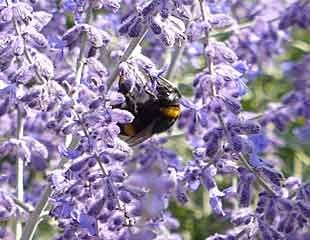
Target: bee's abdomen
171, 111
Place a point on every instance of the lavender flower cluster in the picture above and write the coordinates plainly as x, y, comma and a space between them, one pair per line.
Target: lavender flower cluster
61, 154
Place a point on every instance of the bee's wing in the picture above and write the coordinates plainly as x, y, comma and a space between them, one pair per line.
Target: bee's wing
141, 136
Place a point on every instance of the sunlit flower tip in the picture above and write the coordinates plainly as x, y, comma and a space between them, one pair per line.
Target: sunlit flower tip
23, 11
121, 116
171, 223
44, 65
6, 15
18, 46
219, 21
36, 146
150, 8
24, 74
292, 182
38, 39
116, 98
40, 19
222, 52
112, 5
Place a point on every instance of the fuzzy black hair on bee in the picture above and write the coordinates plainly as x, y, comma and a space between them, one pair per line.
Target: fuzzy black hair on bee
154, 113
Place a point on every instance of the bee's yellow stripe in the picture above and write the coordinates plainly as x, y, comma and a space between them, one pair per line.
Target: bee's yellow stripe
129, 129
171, 111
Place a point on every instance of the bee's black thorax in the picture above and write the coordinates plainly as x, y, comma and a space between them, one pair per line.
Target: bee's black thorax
155, 115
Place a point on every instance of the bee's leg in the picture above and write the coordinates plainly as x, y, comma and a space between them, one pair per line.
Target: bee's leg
131, 104
150, 93
141, 136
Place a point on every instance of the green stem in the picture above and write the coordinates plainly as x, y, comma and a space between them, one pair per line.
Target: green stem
34, 218
19, 172
80, 64
22, 205
298, 166
174, 60
259, 179
131, 47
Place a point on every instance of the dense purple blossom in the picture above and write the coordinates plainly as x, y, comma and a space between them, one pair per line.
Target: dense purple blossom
60, 117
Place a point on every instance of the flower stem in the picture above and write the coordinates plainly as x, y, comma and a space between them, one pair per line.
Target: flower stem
173, 64
34, 218
28, 56
19, 172
131, 47
22, 205
257, 175
219, 116
80, 64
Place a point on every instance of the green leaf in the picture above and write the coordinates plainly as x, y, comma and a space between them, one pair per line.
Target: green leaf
301, 45
185, 89
302, 156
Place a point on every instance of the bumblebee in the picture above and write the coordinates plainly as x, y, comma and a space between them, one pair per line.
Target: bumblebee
156, 113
